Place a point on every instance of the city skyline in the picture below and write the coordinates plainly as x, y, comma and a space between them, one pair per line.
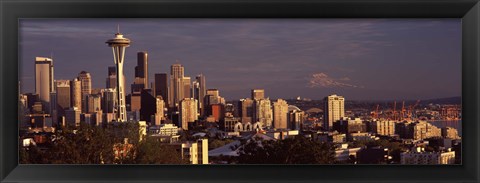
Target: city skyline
298, 55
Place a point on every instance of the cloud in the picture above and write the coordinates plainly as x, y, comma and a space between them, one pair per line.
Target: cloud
65, 31
322, 80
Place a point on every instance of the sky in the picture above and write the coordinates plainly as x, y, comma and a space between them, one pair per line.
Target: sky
360, 59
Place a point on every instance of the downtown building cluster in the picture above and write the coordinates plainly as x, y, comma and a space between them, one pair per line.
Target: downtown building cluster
171, 105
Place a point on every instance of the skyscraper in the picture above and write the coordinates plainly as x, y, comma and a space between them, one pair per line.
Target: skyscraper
296, 117
135, 99
63, 93
280, 113
86, 82
212, 97
196, 95
54, 112
161, 86
76, 93
112, 78
263, 112
218, 112
334, 109
44, 80
72, 116
187, 87
108, 101
246, 110
213, 92
147, 105
118, 44
94, 103
141, 70
188, 112
159, 110
139, 84
202, 91
258, 94
176, 84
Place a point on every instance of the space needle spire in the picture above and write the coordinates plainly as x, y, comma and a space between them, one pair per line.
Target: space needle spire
118, 44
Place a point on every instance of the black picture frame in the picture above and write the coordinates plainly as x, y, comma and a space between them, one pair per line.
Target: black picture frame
11, 11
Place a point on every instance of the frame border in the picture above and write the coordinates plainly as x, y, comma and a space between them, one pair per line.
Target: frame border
11, 11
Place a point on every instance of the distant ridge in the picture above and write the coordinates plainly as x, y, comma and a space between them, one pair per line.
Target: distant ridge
449, 100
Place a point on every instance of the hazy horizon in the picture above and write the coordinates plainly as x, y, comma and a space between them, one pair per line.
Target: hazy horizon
360, 59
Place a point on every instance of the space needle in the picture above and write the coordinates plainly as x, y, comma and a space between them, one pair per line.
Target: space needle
118, 44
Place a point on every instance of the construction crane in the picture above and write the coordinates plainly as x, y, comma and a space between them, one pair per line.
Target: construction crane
375, 113
411, 111
394, 110
376, 110
402, 115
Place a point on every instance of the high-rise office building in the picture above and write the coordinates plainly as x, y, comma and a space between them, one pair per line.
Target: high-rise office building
135, 98
86, 82
161, 86
141, 70
108, 101
147, 105
188, 112
135, 102
212, 97
334, 109
140, 83
118, 44
213, 92
72, 116
246, 110
202, 91
218, 112
31, 99
54, 108
44, 80
187, 87
196, 95
97, 91
141, 79
176, 84
94, 103
258, 94
62, 88
263, 112
76, 93
296, 117
112, 78
159, 110
280, 113
231, 110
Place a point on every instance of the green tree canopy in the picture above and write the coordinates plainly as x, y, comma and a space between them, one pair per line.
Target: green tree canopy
297, 150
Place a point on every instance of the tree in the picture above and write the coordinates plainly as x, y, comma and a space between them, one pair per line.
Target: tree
216, 143
84, 145
152, 151
297, 150
95, 145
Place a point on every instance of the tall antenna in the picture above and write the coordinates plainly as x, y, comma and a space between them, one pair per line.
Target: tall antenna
118, 28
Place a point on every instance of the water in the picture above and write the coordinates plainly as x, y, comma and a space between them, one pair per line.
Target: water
457, 124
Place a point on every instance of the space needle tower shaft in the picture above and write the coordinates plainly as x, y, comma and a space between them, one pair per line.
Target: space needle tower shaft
118, 44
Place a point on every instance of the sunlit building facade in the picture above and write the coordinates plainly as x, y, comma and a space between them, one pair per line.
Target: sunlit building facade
334, 110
